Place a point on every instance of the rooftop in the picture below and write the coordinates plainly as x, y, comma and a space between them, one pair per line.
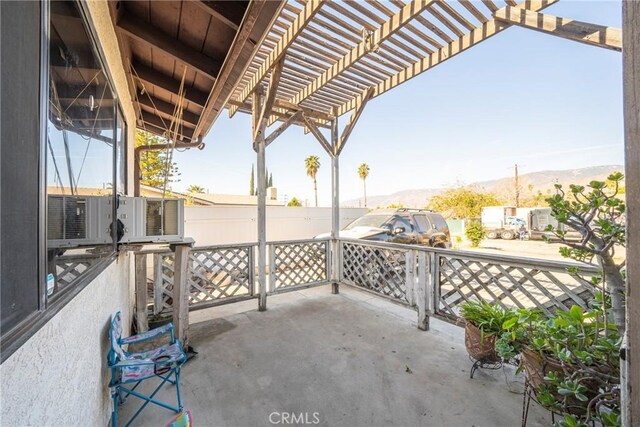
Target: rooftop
314, 352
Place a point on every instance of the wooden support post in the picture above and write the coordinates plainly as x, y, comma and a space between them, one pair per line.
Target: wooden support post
272, 268
259, 146
631, 82
157, 283
181, 291
422, 294
142, 324
410, 276
433, 283
335, 211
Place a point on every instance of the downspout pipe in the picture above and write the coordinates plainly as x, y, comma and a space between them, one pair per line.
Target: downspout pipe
154, 147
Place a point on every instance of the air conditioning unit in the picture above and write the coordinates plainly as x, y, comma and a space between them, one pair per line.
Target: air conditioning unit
74, 221
151, 220
78, 221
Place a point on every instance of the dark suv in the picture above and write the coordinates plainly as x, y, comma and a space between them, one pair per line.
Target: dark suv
409, 226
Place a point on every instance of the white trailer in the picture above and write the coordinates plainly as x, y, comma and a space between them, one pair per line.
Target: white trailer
501, 222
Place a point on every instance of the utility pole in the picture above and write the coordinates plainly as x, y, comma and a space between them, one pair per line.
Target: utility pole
517, 183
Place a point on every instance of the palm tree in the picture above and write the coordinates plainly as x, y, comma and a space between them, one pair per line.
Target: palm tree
363, 173
312, 163
195, 189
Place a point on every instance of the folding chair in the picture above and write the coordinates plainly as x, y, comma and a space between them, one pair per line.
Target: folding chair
133, 368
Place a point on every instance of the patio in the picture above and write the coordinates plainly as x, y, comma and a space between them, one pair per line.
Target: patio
314, 352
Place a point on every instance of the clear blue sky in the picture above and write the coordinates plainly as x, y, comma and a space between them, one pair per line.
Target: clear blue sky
521, 97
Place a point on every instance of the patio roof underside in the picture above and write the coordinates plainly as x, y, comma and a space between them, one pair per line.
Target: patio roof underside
210, 43
335, 56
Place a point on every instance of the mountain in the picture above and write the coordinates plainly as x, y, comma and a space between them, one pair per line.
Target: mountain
542, 181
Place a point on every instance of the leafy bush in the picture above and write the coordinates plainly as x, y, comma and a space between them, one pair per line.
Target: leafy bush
475, 232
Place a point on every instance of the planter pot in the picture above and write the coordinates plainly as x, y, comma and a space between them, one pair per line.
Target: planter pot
479, 347
536, 366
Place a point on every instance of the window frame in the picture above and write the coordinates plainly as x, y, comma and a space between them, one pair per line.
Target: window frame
48, 308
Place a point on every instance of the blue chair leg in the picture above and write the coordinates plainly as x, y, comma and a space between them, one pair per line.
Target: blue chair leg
114, 414
178, 388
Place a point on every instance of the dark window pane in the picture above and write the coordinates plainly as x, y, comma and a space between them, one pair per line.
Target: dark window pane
20, 150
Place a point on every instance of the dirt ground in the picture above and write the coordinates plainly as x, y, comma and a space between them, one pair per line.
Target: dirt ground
524, 248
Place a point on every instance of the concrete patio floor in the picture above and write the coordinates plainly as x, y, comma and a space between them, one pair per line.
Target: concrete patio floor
351, 359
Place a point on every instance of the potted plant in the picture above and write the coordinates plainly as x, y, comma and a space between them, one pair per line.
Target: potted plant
571, 361
483, 325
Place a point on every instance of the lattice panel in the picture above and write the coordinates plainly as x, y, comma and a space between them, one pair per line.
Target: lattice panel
299, 264
69, 270
512, 286
215, 274
378, 269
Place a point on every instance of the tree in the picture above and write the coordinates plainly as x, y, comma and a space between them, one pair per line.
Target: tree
195, 189
598, 215
270, 181
363, 173
252, 183
475, 232
312, 164
294, 202
156, 166
462, 202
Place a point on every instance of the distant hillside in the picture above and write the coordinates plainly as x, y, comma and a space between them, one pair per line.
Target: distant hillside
542, 181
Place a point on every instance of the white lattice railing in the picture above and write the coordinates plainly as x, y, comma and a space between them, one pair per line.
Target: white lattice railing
433, 281
298, 263
437, 281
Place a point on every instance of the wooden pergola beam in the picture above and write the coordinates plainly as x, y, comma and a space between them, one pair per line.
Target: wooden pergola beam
478, 35
149, 76
583, 32
384, 32
186, 55
298, 25
318, 135
267, 107
355, 115
228, 12
296, 117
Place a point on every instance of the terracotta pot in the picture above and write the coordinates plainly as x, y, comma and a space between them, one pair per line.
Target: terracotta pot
479, 347
536, 366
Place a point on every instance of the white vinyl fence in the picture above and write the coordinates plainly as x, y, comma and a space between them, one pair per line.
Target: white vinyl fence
224, 225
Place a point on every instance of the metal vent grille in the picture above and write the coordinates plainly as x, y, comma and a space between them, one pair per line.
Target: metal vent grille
162, 217
67, 218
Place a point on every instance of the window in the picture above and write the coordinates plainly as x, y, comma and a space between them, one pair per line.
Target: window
78, 173
439, 223
422, 222
399, 221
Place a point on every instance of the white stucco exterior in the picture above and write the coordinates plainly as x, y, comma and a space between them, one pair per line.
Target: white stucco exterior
60, 376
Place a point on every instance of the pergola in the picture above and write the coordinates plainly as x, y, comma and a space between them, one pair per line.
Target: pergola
323, 59
319, 60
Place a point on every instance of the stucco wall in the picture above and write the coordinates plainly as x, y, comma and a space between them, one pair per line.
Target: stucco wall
59, 377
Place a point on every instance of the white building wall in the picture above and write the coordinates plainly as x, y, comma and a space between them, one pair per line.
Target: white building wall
221, 225
59, 377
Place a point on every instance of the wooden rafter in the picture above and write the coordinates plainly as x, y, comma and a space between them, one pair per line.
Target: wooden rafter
228, 12
150, 35
583, 32
390, 27
166, 109
307, 14
478, 35
148, 76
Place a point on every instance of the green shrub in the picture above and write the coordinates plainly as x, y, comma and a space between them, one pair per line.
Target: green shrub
475, 232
